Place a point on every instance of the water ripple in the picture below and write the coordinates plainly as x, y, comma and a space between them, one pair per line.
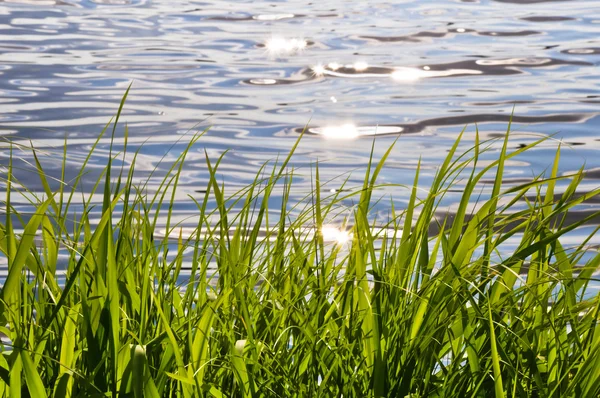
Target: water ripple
257, 73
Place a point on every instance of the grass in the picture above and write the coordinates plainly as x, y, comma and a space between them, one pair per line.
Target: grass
398, 311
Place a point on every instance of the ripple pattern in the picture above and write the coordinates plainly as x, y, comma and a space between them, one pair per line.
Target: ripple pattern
260, 73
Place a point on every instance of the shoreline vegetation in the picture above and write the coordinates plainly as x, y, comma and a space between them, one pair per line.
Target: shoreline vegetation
394, 311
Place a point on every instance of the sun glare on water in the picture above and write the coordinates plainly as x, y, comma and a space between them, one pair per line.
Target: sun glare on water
408, 74
335, 234
280, 45
272, 17
318, 70
345, 131
360, 66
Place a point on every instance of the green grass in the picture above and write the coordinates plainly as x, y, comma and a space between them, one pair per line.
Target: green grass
398, 311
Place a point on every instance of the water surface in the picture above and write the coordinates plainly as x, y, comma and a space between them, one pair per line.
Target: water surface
258, 73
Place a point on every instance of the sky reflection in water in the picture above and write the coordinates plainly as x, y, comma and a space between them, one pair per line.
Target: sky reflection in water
261, 73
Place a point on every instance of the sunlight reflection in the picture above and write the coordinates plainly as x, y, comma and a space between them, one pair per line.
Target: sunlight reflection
408, 74
349, 131
360, 66
318, 70
272, 17
334, 234
263, 82
405, 74
280, 45
345, 131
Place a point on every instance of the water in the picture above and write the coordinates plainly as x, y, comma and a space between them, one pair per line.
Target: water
258, 72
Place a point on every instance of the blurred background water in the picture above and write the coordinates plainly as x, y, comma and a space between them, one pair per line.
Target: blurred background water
258, 72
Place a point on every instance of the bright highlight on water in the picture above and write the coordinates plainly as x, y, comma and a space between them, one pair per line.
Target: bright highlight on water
345, 131
335, 234
349, 131
277, 45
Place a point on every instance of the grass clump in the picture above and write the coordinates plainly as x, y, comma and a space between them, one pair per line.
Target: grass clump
400, 310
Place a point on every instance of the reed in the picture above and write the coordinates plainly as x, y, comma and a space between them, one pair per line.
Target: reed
396, 311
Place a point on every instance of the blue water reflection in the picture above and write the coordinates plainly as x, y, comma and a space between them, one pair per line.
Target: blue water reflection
260, 73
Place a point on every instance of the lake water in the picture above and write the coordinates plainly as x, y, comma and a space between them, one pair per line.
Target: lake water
258, 72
